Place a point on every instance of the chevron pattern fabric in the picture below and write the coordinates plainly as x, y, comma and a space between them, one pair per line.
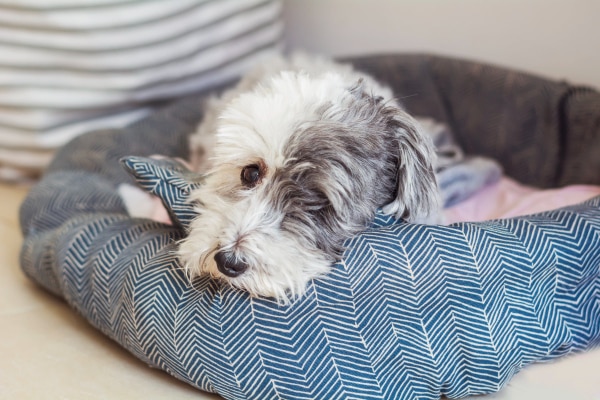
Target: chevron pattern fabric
411, 312
170, 181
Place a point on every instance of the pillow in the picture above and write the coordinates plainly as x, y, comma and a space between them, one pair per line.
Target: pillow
76, 66
411, 311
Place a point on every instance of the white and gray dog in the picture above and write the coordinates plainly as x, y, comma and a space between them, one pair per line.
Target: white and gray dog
298, 158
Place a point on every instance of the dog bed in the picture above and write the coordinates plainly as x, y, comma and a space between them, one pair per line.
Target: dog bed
411, 312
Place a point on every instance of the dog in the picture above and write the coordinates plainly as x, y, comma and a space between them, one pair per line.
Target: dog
298, 157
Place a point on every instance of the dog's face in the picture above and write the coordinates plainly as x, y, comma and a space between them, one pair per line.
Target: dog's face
301, 164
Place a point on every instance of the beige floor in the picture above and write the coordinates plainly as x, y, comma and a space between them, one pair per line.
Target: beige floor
49, 352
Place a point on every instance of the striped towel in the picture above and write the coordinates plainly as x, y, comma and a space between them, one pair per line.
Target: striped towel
71, 66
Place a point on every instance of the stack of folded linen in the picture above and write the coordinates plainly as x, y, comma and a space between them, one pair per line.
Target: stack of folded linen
71, 66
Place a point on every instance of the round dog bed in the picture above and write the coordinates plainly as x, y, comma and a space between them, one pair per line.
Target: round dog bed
411, 312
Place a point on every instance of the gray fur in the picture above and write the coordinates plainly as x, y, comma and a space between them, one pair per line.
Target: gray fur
348, 164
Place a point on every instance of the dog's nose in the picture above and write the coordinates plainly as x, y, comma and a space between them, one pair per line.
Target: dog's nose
230, 265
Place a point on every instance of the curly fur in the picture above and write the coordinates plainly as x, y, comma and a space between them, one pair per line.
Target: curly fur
332, 146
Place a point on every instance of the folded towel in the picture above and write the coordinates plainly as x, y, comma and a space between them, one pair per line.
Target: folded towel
459, 176
71, 66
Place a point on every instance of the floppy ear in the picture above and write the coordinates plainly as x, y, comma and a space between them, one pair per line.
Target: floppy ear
417, 197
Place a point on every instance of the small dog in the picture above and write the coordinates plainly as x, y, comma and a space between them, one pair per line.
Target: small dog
298, 158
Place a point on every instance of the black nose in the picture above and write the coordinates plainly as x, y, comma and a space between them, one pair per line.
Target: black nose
230, 265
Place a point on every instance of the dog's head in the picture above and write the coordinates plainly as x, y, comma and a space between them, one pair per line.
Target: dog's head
301, 164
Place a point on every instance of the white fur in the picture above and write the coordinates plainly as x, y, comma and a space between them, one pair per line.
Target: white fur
254, 123
247, 131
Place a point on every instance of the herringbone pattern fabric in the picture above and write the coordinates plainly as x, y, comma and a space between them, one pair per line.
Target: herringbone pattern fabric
411, 311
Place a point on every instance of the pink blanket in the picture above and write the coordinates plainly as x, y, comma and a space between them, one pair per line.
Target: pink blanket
508, 198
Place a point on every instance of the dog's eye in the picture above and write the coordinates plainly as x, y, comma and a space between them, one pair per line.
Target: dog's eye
250, 175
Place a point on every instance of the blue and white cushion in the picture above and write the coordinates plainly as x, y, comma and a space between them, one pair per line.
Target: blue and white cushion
411, 311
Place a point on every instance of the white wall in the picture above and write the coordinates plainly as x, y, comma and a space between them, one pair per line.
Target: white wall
558, 39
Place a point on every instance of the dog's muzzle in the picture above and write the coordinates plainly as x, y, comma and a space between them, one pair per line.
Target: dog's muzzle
230, 265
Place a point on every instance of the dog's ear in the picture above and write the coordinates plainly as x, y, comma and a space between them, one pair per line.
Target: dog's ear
410, 154
417, 197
